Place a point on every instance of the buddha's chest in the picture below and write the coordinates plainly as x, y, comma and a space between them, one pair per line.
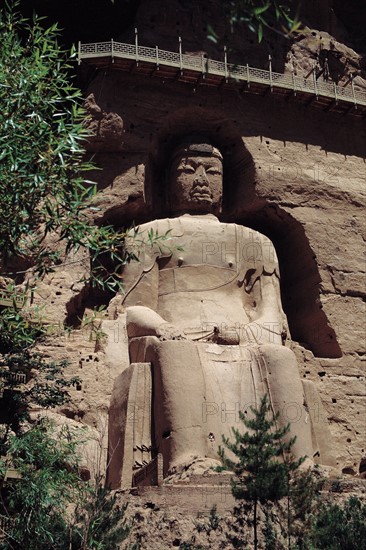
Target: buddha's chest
209, 244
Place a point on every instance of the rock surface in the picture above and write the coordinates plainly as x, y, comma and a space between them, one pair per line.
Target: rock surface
292, 172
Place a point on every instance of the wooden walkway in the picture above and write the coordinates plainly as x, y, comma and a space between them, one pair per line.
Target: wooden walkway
199, 70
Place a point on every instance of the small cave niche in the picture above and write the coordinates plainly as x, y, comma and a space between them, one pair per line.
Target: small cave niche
72, 414
87, 298
348, 470
84, 474
16, 267
362, 466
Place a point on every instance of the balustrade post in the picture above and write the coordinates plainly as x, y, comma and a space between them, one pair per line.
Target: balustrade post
270, 72
136, 46
248, 79
112, 50
225, 62
353, 92
315, 83
180, 55
294, 83
203, 65
335, 92
157, 57
79, 52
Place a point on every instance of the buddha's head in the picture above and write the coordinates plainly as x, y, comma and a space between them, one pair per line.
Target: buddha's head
195, 177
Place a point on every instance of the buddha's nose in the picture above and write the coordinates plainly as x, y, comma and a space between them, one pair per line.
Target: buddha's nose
201, 176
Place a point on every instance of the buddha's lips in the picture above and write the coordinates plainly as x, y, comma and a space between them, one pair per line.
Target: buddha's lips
202, 198
201, 193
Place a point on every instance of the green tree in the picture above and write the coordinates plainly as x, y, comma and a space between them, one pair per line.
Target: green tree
19, 364
303, 503
99, 521
43, 174
37, 503
264, 462
43, 189
49, 388
50, 506
340, 526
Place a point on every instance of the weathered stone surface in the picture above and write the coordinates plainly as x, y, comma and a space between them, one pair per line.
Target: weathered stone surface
331, 60
179, 513
291, 172
107, 127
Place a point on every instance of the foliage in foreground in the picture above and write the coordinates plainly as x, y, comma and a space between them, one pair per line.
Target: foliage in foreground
259, 16
99, 521
50, 506
43, 185
27, 378
340, 526
37, 503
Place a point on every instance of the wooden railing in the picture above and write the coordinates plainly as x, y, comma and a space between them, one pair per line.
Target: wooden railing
15, 381
8, 298
5, 525
13, 377
205, 66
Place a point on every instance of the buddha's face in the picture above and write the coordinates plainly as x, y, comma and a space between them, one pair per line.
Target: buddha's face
195, 183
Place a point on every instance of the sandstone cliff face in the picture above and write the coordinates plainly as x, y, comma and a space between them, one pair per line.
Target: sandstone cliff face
324, 41
293, 172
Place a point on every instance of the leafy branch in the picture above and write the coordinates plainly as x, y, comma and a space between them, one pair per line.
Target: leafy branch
43, 172
259, 15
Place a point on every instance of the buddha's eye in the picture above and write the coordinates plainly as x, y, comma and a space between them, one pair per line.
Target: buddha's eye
213, 171
188, 169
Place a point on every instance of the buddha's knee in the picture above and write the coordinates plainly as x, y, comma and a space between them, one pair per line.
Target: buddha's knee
181, 353
278, 356
140, 348
282, 373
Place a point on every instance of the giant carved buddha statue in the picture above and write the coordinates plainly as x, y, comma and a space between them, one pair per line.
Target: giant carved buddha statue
206, 330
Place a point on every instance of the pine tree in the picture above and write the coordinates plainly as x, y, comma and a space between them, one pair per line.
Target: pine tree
264, 460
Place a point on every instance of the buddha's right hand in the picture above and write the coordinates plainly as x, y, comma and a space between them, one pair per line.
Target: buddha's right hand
168, 331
